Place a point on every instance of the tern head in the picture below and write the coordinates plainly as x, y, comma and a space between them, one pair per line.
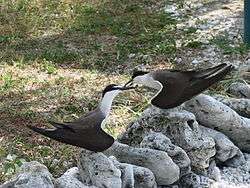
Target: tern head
114, 89
138, 77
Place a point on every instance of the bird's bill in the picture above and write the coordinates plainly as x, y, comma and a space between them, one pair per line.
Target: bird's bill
127, 87
129, 83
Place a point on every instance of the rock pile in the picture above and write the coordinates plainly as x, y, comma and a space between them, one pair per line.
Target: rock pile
199, 144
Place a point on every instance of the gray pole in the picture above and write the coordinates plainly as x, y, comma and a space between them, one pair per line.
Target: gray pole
247, 22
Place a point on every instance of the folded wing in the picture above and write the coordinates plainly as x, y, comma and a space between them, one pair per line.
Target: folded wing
89, 137
179, 86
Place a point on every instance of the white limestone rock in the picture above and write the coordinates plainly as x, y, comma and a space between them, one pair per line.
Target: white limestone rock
31, 174
178, 125
159, 141
98, 170
71, 179
135, 176
165, 170
241, 106
214, 114
226, 151
241, 90
195, 181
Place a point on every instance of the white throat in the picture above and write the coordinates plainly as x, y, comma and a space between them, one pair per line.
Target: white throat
105, 105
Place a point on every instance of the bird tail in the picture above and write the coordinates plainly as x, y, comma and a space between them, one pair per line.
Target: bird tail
210, 71
52, 133
61, 126
212, 77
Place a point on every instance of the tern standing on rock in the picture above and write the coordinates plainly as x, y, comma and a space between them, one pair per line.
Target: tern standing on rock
175, 87
87, 131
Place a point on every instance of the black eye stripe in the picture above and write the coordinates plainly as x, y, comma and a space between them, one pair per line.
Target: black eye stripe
110, 87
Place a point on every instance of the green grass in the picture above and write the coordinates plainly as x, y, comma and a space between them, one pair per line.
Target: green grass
7, 80
229, 46
194, 44
128, 26
49, 67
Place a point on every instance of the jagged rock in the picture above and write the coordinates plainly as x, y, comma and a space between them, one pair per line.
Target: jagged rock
71, 179
226, 151
240, 90
97, 169
127, 173
135, 176
165, 170
214, 171
31, 174
178, 125
214, 114
241, 106
247, 157
160, 142
144, 178
195, 181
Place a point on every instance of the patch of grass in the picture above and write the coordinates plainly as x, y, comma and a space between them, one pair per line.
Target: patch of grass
49, 67
7, 38
12, 164
194, 44
58, 55
7, 81
190, 30
18, 150
228, 46
138, 29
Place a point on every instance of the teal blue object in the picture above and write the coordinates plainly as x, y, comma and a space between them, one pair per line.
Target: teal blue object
247, 21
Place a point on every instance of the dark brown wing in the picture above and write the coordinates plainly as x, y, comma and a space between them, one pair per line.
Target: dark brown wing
180, 86
92, 139
84, 132
173, 85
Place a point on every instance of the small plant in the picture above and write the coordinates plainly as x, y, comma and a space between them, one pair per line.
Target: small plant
7, 80
49, 67
12, 163
190, 30
194, 44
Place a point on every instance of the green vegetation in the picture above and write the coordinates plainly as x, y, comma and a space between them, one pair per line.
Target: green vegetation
7, 80
229, 46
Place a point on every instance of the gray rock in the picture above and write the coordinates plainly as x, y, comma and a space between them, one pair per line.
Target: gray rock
127, 173
31, 174
71, 179
239, 89
165, 170
178, 125
247, 157
195, 181
144, 178
241, 106
239, 176
135, 176
214, 114
226, 151
159, 141
214, 171
97, 169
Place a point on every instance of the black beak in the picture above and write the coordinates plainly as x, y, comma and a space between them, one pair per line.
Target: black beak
129, 83
127, 88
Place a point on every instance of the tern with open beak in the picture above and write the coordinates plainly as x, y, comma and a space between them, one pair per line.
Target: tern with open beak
175, 86
87, 131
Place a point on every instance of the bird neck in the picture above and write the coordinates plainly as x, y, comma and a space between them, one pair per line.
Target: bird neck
105, 105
